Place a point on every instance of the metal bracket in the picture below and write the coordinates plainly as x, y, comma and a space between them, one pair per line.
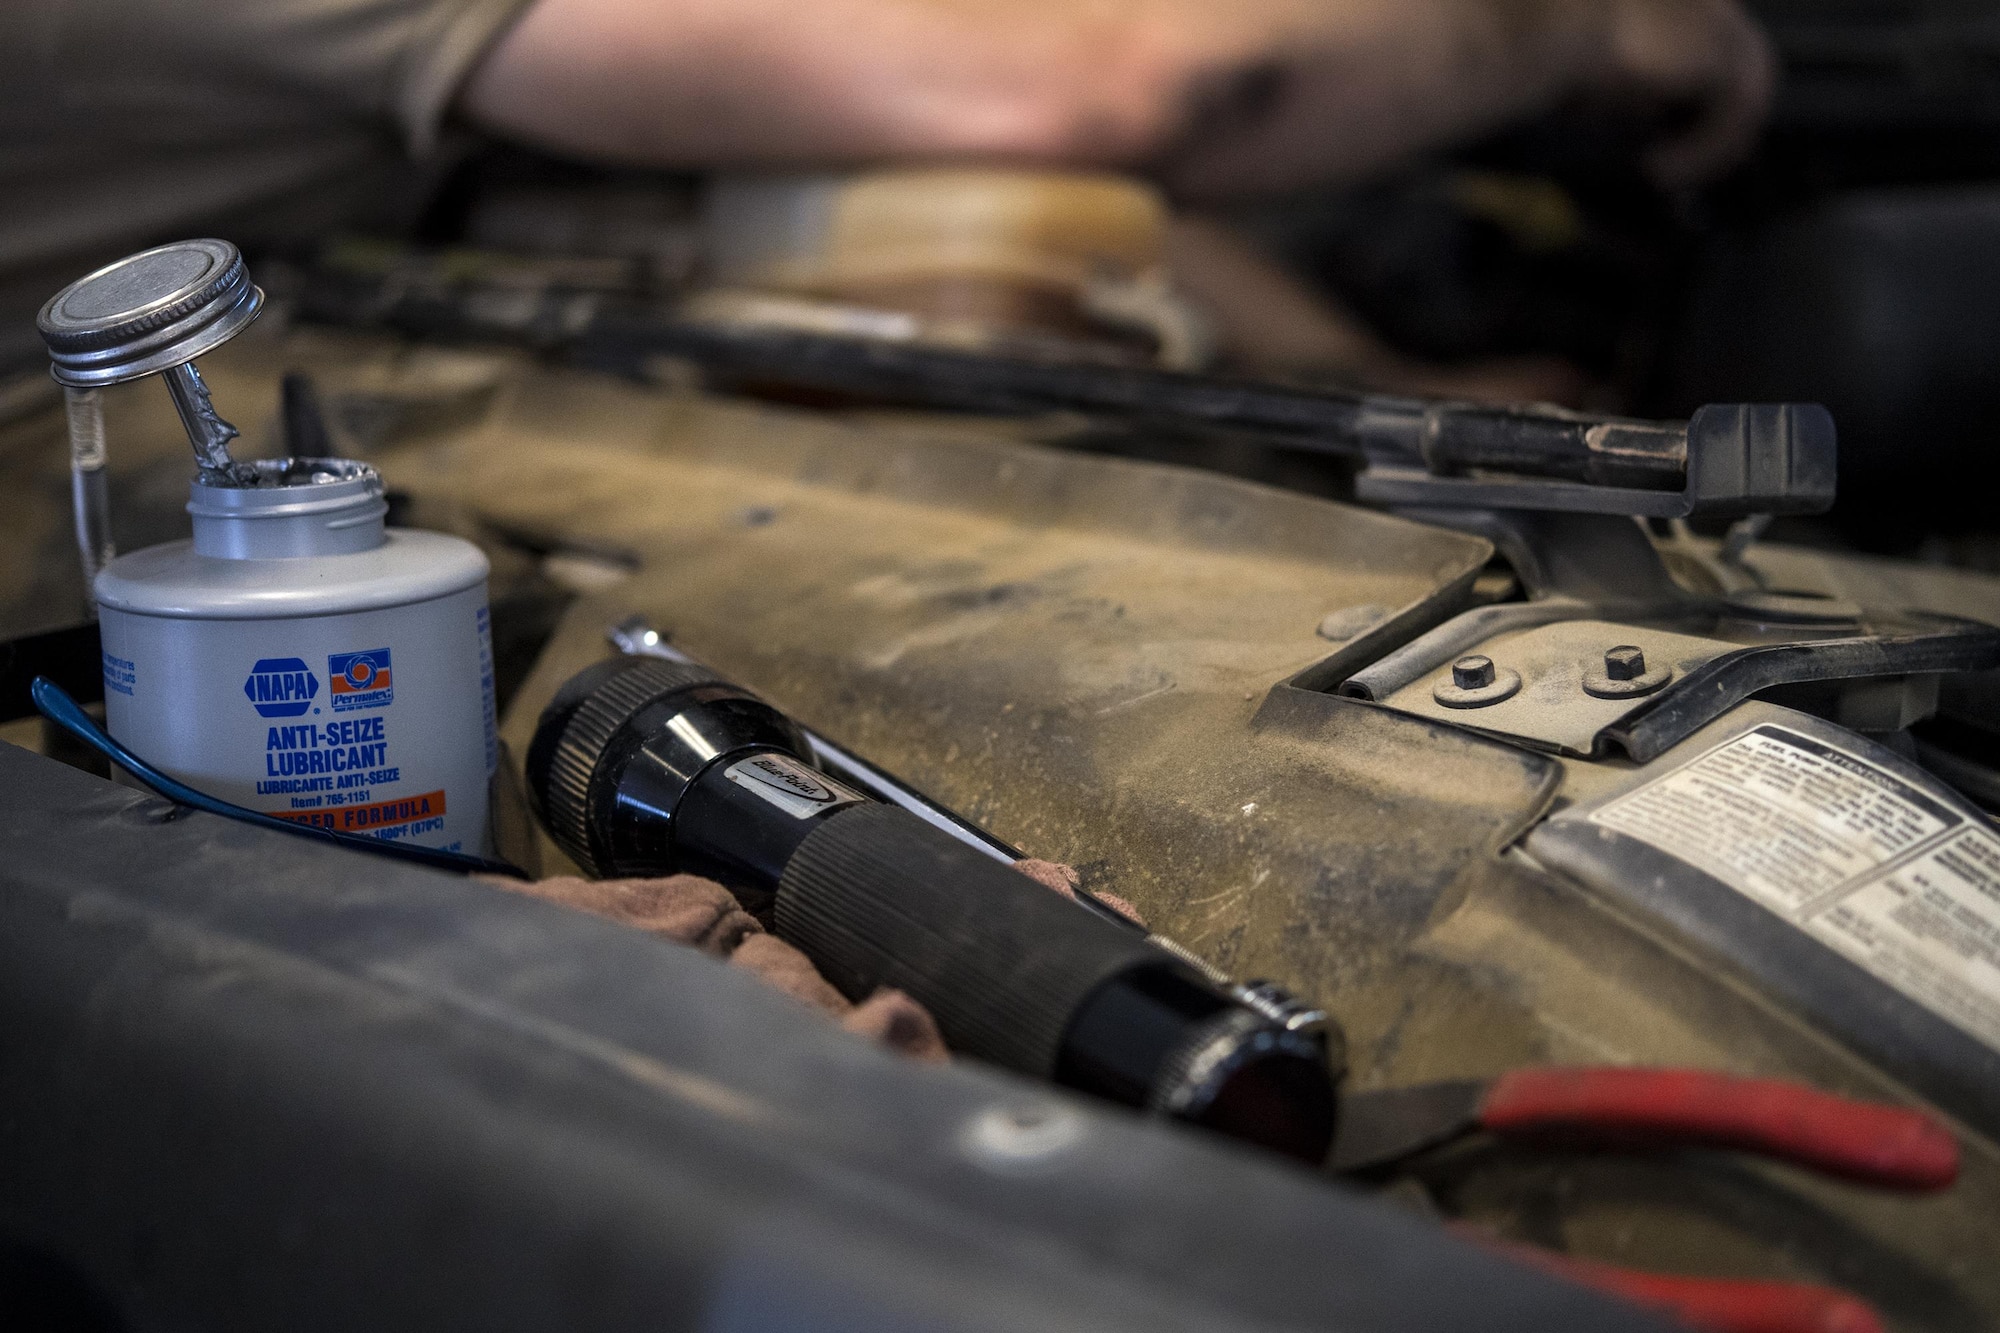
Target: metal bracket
1742, 458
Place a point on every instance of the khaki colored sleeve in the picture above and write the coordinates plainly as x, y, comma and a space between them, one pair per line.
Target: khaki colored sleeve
394, 63
128, 122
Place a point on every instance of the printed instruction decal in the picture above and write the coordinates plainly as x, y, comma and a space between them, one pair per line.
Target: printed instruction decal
1867, 864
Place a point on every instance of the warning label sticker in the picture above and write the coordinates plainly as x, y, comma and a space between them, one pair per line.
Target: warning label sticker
1859, 859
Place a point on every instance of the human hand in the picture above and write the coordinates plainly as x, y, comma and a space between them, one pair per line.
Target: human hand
1704, 57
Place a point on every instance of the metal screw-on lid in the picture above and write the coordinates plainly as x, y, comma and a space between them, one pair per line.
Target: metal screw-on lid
148, 312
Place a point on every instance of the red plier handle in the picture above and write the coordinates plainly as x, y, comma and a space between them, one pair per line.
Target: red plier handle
1715, 1305
1887, 1146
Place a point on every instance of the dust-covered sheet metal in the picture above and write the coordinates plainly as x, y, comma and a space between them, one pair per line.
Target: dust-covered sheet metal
1070, 650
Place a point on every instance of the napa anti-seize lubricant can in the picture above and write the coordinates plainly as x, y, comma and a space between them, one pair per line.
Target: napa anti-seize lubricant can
297, 656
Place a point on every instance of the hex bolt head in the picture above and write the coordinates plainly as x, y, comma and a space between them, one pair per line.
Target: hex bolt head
1472, 673
1625, 662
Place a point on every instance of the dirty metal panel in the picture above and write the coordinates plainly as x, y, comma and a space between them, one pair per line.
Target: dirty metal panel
1070, 650
1082, 654
1874, 582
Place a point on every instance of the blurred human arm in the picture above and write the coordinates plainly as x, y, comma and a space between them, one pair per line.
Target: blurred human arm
1214, 98
1269, 323
128, 122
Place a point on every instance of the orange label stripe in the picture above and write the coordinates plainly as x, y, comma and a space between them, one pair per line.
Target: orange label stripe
368, 818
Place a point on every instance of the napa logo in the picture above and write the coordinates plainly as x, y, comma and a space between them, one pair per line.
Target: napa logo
360, 680
281, 686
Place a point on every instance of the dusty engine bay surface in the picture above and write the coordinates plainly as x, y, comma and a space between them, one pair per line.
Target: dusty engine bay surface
1125, 666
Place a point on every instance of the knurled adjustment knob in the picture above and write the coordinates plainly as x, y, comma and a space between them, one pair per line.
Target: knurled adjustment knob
579, 724
148, 312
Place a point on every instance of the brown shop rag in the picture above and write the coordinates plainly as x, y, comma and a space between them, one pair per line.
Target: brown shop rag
699, 912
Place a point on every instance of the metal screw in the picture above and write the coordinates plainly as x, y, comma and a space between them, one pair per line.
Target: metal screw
1472, 673
1625, 662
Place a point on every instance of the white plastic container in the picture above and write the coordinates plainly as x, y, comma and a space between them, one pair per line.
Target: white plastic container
300, 658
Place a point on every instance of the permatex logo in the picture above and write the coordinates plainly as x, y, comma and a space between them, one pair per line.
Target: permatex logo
281, 686
360, 680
